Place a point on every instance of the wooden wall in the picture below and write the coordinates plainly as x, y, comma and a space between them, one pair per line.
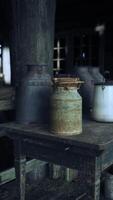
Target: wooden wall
69, 15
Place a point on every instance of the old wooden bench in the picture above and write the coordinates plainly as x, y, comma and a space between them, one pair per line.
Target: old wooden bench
90, 152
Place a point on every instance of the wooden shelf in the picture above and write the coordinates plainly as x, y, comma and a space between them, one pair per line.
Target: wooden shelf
7, 98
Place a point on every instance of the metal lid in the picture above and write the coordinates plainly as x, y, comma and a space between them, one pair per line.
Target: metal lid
107, 83
67, 81
39, 68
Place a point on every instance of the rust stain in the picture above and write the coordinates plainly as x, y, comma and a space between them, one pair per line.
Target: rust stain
66, 111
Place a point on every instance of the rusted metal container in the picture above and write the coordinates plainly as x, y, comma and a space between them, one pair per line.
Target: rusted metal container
33, 98
66, 118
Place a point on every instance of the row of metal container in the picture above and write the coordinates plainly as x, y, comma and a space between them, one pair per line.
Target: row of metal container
97, 94
57, 104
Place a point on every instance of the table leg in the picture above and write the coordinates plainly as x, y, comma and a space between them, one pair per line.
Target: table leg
20, 170
93, 179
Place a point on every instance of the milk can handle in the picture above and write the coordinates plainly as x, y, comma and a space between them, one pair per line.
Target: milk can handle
107, 75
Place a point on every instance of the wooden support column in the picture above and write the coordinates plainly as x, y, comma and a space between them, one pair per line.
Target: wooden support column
32, 34
92, 171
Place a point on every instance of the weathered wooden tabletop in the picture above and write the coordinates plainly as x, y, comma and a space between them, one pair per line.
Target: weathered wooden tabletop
95, 135
90, 152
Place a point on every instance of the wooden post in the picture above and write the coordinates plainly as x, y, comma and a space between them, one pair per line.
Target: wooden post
20, 169
32, 40
32, 34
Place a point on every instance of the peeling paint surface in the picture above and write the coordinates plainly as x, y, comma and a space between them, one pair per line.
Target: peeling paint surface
66, 111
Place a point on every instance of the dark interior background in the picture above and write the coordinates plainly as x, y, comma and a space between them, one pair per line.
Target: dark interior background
72, 15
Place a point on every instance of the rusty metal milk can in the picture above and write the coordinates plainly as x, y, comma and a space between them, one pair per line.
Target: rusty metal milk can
66, 118
33, 99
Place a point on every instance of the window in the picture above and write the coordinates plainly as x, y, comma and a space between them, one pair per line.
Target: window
86, 49
74, 48
5, 66
0, 58
59, 56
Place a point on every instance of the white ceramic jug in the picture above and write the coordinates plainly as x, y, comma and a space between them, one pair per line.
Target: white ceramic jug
103, 102
95, 73
87, 88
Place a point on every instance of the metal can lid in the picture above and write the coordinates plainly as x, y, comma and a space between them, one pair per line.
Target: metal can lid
107, 83
67, 81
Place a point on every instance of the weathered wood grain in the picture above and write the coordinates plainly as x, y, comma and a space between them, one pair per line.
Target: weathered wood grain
96, 136
7, 98
33, 169
32, 35
47, 189
89, 152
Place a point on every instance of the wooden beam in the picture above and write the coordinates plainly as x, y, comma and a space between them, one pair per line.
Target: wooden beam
32, 34
9, 174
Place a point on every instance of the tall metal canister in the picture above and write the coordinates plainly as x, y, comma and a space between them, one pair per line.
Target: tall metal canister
96, 75
33, 97
66, 111
87, 89
102, 109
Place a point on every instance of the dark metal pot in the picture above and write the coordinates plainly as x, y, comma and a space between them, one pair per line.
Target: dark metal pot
33, 96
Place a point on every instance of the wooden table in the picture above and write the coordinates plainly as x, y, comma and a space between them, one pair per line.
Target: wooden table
90, 152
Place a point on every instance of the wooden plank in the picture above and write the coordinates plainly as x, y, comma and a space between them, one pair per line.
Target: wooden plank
47, 189
33, 27
6, 92
95, 136
6, 104
57, 156
9, 174
7, 98
107, 157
